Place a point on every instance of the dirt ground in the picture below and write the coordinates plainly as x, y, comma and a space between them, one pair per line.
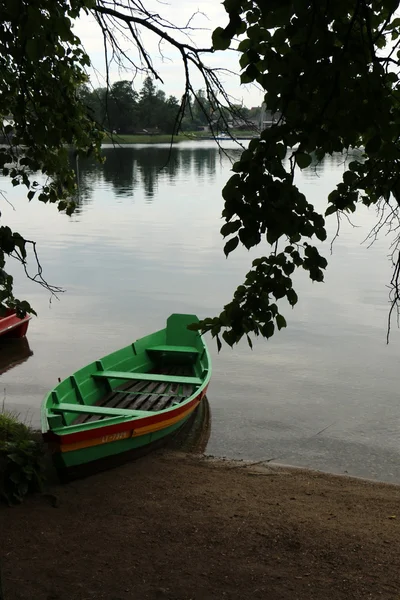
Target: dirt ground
180, 527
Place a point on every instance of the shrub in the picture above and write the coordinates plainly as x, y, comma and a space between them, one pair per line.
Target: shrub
21, 469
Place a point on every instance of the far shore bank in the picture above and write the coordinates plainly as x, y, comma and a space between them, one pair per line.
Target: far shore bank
167, 138
177, 526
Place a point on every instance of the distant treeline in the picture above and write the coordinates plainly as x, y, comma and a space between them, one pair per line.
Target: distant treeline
122, 109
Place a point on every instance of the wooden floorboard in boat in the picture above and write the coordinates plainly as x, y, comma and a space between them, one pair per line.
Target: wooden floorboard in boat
171, 390
112, 399
138, 402
145, 395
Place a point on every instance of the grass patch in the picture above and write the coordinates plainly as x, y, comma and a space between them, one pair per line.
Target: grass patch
21, 459
11, 428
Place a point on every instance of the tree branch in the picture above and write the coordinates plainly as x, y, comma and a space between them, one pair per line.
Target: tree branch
151, 27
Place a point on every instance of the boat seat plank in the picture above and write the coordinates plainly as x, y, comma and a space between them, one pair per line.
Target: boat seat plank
147, 377
98, 410
181, 349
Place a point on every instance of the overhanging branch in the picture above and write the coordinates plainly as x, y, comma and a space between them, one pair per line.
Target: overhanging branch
147, 24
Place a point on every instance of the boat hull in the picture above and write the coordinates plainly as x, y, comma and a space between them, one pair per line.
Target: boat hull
12, 326
117, 439
79, 463
109, 460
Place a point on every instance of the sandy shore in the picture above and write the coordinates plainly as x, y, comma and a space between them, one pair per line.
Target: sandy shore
182, 527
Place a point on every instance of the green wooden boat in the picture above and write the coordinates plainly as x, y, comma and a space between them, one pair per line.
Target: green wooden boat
128, 400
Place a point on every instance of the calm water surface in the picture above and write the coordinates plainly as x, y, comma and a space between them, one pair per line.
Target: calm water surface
145, 242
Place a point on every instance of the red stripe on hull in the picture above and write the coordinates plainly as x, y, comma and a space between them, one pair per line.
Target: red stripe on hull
87, 434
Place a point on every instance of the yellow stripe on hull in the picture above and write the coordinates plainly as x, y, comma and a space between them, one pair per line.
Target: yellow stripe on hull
116, 437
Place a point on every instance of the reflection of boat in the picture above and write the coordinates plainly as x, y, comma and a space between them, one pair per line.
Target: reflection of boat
91, 417
194, 435
13, 352
12, 326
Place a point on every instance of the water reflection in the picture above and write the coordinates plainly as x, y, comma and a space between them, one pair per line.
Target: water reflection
194, 436
129, 169
13, 352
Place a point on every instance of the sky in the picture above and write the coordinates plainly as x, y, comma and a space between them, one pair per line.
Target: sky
209, 14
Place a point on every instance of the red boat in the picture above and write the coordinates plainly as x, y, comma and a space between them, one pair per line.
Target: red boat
12, 326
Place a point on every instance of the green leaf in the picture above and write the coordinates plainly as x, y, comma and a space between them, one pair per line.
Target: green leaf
232, 5
303, 160
229, 337
220, 40
268, 329
230, 227
330, 210
244, 45
349, 177
251, 73
291, 296
354, 165
219, 343
333, 196
244, 60
280, 321
391, 76
231, 245
245, 78
194, 326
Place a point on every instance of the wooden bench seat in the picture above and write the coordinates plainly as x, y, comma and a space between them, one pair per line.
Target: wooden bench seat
147, 377
103, 411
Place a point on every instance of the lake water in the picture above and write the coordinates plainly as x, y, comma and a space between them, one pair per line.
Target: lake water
145, 242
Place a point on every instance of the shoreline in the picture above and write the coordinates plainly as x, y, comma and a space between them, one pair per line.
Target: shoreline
276, 467
119, 140
175, 526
